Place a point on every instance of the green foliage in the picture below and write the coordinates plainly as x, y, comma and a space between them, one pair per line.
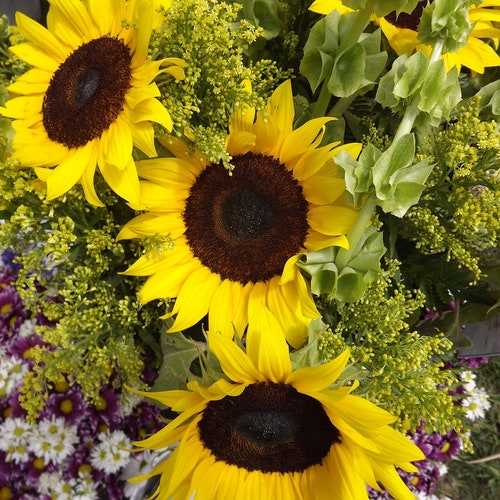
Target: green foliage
332, 281
400, 368
447, 22
345, 69
392, 176
207, 37
421, 83
459, 212
97, 331
382, 7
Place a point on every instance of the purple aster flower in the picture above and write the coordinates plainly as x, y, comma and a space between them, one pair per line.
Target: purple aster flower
70, 405
105, 410
12, 314
19, 346
15, 409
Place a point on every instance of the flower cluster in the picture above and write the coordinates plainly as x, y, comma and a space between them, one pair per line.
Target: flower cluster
271, 205
74, 449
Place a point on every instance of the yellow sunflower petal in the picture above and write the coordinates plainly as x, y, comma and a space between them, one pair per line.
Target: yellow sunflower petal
107, 20
35, 57
234, 362
22, 107
266, 346
122, 181
294, 325
167, 282
322, 190
42, 37
144, 11
351, 484
143, 138
69, 172
392, 481
312, 379
117, 144
361, 414
228, 309
34, 81
281, 110
70, 21
308, 136
197, 291
153, 110
331, 220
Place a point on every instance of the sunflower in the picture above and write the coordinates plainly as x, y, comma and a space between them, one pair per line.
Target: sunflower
237, 238
401, 33
269, 431
88, 99
326, 6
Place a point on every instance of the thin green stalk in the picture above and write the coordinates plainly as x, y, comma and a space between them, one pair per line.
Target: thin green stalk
412, 110
357, 230
360, 21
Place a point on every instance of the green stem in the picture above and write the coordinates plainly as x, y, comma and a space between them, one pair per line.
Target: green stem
412, 110
359, 22
341, 105
321, 105
357, 230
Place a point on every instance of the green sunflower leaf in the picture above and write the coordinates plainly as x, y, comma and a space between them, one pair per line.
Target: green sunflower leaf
179, 352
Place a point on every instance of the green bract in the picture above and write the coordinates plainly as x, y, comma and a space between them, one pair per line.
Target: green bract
445, 21
345, 69
392, 176
345, 283
416, 81
263, 14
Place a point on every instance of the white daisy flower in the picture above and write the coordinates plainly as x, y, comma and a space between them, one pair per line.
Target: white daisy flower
138, 465
128, 401
476, 404
12, 372
112, 453
15, 437
53, 440
27, 328
468, 379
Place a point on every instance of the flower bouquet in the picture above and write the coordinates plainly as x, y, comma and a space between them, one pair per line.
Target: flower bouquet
243, 239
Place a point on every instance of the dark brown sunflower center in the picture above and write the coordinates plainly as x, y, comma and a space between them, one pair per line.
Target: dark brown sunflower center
269, 427
87, 92
408, 20
245, 226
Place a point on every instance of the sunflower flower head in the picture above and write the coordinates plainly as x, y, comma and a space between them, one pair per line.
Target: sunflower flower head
467, 34
88, 98
266, 430
237, 236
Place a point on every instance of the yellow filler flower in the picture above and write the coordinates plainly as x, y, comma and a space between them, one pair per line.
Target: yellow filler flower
236, 238
477, 54
270, 432
88, 99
